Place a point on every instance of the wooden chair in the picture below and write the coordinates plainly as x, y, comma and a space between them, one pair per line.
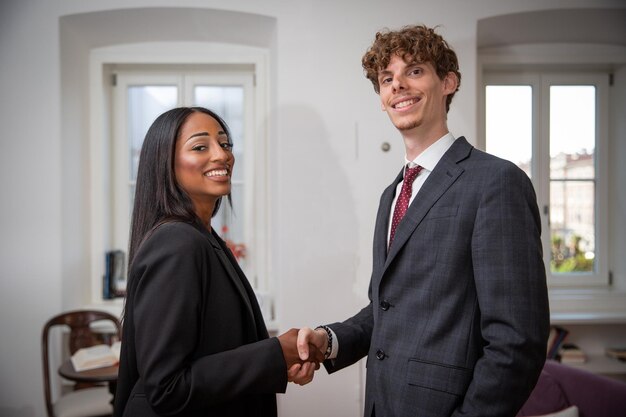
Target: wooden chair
83, 401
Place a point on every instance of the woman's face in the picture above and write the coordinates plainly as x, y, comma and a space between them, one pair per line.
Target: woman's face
203, 162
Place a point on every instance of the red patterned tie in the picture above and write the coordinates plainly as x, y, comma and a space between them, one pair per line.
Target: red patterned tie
402, 203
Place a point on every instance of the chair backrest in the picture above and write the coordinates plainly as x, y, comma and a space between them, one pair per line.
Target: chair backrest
81, 335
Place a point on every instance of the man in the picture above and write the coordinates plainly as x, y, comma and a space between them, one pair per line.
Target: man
458, 318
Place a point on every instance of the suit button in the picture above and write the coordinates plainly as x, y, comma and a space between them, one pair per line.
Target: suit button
384, 305
380, 354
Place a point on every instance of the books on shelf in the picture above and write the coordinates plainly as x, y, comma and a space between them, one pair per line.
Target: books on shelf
114, 278
616, 352
555, 340
564, 352
98, 356
571, 353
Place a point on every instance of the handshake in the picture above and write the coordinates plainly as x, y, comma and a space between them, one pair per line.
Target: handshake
303, 350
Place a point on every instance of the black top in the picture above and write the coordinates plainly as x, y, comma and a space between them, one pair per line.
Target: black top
194, 341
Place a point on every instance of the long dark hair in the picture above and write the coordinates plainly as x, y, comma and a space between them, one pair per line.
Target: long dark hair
158, 197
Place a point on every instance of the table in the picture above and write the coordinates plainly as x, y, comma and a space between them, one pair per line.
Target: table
91, 376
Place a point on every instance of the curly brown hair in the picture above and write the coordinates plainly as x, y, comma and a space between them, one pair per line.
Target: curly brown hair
412, 43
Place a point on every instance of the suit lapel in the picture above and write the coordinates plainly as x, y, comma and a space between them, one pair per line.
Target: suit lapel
382, 222
440, 179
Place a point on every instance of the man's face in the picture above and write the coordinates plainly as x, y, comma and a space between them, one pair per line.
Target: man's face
413, 95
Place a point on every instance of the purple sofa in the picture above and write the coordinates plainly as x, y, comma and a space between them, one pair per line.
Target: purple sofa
561, 386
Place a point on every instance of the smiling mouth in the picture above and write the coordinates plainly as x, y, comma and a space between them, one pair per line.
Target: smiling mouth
405, 103
217, 173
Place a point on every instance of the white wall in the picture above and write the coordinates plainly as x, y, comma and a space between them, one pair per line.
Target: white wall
322, 219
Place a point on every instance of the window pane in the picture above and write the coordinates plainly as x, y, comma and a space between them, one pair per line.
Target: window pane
145, 103
509, 123
572, 131
572, 178
227, 102
572, 226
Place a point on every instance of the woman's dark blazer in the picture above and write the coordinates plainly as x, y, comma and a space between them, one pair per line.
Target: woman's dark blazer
194, 341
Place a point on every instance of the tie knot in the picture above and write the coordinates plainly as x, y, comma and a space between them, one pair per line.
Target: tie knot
411, 173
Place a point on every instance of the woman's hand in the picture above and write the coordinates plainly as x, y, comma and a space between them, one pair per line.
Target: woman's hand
299, 371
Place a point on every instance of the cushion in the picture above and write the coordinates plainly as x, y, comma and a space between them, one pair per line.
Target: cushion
594, 395
84, 403
547, 397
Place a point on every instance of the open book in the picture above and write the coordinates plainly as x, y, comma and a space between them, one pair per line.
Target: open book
98, 356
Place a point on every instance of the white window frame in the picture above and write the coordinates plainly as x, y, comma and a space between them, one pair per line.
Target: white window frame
540, 81
102, 64
185, 82
120, 161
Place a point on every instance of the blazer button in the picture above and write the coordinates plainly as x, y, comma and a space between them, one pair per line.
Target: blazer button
380, 354
384, 305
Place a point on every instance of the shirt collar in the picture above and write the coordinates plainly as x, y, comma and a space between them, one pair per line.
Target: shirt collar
431, 155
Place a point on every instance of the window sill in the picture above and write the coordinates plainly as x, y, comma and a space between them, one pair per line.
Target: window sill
601, 364
588, 318
592, 306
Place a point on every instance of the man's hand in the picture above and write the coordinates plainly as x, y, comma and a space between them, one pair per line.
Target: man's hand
299, 371
308, 337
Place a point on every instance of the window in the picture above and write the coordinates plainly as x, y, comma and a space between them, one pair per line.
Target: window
140, 94
554, 127
130, 85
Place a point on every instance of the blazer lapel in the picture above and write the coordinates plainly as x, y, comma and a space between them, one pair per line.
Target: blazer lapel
440, 179
259, 320
232, 273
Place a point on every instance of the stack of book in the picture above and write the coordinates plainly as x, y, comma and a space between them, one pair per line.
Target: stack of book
555, 340
571, 353
114, 278
616, 352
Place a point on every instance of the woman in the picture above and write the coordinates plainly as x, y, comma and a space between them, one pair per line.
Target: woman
194, 341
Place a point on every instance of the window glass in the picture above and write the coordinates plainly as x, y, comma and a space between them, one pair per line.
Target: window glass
145, 103
572, 178
509, 123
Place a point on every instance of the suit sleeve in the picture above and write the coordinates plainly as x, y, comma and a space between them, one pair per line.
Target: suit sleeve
511, 288
167, 316
354, 336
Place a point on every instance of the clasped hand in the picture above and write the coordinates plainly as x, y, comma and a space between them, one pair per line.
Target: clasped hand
303, 351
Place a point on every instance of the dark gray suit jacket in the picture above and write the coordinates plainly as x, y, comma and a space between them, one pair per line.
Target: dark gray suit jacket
458, 319
194, 341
